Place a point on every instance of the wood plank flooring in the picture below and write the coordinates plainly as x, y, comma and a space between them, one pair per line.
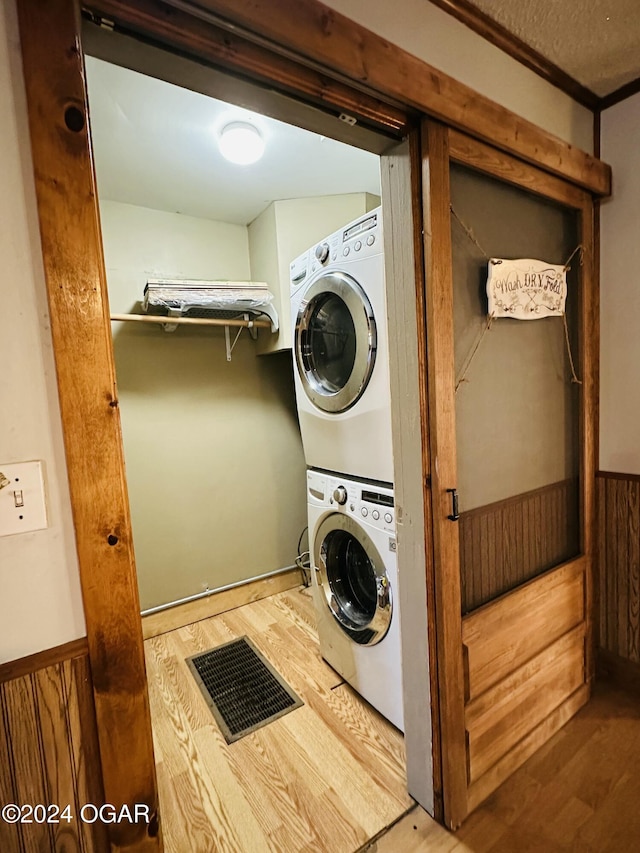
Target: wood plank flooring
580, 792
328, 776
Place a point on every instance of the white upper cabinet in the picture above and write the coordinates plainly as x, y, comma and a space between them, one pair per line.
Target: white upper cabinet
283, 231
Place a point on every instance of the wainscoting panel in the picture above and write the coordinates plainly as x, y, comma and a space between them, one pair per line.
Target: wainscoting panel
49, 753
619, 564
505, 544
525, 673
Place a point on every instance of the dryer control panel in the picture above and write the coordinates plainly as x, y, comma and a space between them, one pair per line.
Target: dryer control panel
358, 239
298, 270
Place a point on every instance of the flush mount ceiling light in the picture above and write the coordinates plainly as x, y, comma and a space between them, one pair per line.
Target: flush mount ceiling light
241, 143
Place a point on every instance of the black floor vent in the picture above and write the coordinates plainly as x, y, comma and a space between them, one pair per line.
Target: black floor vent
242, 689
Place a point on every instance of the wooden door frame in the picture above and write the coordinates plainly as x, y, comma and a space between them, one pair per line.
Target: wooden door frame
441, 147
302, 48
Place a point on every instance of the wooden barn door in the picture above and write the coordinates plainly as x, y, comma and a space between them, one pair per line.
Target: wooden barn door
512, 405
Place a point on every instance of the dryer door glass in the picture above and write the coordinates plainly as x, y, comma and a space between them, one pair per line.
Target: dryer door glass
331, 341
335, 342
353, 579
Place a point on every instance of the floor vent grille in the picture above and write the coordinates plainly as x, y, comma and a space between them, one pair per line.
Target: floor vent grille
242, 689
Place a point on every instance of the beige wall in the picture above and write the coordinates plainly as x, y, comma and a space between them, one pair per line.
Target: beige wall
40, 603
215, 469
620, 293
439, 39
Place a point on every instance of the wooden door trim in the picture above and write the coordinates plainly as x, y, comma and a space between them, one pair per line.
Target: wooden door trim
315, 35
76, 283
589, 334
467, 151
175, 29
440, 361
416, 141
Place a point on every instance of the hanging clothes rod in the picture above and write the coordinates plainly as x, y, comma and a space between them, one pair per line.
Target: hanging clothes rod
192, 321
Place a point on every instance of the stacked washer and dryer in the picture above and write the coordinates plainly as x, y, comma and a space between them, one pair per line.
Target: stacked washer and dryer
340, 344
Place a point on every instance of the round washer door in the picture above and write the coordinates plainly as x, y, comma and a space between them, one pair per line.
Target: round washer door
335, 342
352, 576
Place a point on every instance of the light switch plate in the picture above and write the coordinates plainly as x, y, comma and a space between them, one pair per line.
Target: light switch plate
22, 502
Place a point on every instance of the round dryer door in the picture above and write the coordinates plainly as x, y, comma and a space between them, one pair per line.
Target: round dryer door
335, 342
353, 579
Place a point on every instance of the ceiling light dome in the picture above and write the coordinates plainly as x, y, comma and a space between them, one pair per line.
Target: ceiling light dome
241, 143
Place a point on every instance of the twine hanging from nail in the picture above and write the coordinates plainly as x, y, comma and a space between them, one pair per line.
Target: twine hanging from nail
574, 378
465, 368
469, 233
490, 317
579, 248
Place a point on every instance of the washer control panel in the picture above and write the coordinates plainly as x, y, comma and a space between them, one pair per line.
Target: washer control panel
371, 503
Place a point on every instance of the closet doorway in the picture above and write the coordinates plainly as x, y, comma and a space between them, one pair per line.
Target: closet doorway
397, 177
198, 431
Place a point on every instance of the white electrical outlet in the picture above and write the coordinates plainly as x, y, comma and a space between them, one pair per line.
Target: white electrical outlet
22, 502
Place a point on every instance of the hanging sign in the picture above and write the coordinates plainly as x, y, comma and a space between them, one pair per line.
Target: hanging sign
526, 289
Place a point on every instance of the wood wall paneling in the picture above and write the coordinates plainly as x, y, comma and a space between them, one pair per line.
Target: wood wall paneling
41, 660
49, 756
619, 561
10, 838
316, 35
75, 276
505, 544
621, 672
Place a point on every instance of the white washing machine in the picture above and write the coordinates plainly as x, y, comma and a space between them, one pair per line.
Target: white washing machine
341, 353
354, 583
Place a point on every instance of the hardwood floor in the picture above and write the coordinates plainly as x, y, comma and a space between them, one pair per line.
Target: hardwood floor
580, 792
329, 777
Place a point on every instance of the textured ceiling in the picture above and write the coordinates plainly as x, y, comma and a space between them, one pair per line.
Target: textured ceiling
597, 42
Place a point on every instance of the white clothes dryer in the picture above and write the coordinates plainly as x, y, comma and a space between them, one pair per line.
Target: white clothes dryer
341, 353
354, 584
